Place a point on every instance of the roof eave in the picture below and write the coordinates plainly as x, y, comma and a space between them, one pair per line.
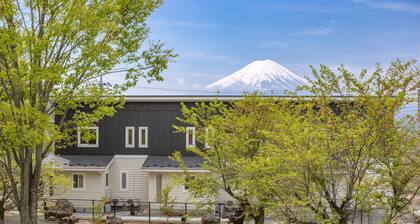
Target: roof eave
174, 171
84, 169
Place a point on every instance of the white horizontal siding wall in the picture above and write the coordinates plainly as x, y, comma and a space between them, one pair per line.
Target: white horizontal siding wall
152, 187
177, 191
92, 191
137, 180
182, 195
223, 197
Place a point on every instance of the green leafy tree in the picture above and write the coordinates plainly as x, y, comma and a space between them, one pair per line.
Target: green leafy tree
52, 55
343, 150
5, 203
232, 133
167, 202
54, 182
331, 155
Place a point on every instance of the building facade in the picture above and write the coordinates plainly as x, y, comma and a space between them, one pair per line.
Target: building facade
127, 157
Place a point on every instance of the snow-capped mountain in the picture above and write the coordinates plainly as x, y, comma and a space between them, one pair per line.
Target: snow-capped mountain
265, 76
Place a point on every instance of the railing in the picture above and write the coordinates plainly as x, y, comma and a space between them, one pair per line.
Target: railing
148, 211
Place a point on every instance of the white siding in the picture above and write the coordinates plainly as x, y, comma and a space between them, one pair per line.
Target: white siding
141, 185
152, 187
223, 197
177, 191
137, 180
92, 191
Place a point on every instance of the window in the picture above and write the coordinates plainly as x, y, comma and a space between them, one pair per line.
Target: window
78, 182
106, 180
123, 186
88, 137
143, 137
129, 137
190, 136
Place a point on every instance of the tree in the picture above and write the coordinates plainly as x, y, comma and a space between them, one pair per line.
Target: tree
336, 155
332, 155
5, 195
52, 56
232, 132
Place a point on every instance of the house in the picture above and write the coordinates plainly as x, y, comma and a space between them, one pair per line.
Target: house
127, 158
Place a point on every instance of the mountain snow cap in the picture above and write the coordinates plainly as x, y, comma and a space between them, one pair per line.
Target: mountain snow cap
263, 75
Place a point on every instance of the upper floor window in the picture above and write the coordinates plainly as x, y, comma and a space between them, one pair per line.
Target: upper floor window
143, 137
88, 137
78, 182
190, 136
129, 137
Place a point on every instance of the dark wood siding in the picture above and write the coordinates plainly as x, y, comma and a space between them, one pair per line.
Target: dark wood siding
157, 116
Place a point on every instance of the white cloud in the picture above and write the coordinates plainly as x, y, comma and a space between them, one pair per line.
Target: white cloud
392, 5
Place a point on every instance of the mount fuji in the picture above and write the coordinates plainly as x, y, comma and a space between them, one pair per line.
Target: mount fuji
265, 76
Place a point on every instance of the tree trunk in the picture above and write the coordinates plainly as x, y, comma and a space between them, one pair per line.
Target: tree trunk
33, 204
28, 211
239, 220
344, 217
259, 216
2, 203
24, 213
238, 215
259, 219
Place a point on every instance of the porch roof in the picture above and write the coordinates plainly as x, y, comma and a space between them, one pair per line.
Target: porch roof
163, 163
88, 162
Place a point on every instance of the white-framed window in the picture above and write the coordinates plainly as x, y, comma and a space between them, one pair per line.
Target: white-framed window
106, 180
124, 181
143, 137
190, 136
78, 182
88, 137
129, 137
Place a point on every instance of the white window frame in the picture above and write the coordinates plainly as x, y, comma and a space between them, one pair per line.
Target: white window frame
106, 180
133, 136
144, 144
187, 130
126, 181
72, 182
79, 140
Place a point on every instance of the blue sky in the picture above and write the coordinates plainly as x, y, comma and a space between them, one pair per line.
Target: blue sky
217, 37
